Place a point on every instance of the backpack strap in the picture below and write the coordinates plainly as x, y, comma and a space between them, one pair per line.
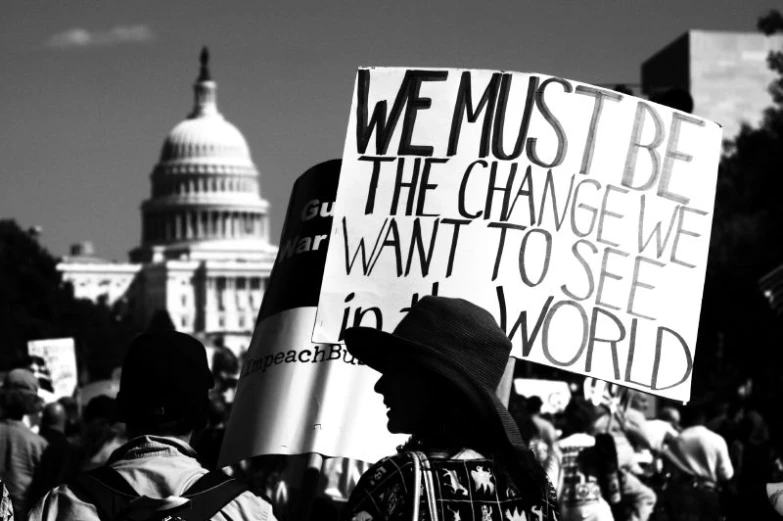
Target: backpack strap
210, 494
105, 488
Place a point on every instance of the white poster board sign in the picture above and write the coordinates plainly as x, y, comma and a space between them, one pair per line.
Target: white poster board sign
580, 217
59, 354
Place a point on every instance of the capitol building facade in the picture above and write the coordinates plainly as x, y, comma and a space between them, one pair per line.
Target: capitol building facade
205, 255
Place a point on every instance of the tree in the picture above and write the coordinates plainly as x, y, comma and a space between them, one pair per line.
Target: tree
35, 304
739, 334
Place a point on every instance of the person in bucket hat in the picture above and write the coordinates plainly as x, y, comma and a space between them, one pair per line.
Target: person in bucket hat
440, 369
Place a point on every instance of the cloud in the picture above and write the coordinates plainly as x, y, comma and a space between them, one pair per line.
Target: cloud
78, 37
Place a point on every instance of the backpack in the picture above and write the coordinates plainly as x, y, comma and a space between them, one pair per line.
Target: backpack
116, 500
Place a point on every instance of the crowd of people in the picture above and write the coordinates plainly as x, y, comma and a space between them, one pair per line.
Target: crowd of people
152, 451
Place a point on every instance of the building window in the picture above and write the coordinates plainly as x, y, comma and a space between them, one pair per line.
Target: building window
241, 322
221, 322
184, 301
184, 321
221, 293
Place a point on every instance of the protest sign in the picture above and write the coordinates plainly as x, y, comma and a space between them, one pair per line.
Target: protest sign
294, 396
554, 394
579, 216
59, 356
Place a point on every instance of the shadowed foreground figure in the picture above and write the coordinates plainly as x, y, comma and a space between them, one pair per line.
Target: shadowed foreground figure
163, 398
440, 369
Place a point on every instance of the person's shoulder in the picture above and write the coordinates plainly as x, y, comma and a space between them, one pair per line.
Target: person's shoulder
39, 440
395, 461
635, 416
711, 435
397, 466
61, 503
248, 505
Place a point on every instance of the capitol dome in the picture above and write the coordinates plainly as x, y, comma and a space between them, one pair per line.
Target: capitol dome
206, 137
205, 187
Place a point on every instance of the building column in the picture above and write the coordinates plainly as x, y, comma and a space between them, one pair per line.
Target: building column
167, 231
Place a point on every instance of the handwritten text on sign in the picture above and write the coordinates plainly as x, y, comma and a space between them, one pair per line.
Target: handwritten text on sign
580, 217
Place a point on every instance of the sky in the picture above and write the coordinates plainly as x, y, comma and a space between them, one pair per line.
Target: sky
89, 90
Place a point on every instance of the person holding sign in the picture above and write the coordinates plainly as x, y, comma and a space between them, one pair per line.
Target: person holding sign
440, 369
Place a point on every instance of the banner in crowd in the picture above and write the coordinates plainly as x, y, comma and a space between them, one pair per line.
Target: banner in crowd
294, 396
579, 216
59, 361
554, 394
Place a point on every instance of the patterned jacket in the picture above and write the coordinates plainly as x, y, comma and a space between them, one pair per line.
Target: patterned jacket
466, 487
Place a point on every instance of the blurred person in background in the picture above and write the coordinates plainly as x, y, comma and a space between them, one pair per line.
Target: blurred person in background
20, 448
627, 428
580, 494
700, 468
664, 428
225, 370
102, 432
73, 422
546, 430
208, 441
60, 460
541, 445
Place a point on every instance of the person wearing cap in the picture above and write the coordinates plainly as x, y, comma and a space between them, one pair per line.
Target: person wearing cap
163, 399
20, 448
440, 369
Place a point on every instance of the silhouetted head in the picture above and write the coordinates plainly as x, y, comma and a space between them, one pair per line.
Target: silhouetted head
671, 415
20, 394
54, 417
165, 383
534, 404
579, 415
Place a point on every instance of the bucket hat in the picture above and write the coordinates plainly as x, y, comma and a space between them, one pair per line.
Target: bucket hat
453, 338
